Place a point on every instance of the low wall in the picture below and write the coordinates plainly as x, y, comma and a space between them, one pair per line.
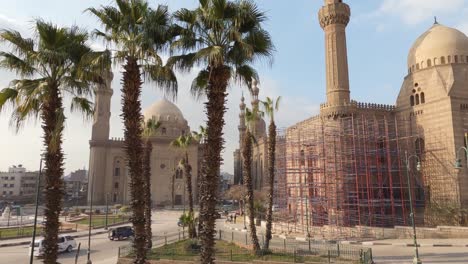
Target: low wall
339, 232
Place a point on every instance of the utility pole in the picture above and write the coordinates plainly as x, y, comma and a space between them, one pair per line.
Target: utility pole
90, 220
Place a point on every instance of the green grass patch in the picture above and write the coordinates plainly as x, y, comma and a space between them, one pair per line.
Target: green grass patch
18, 232
101, 220
188, 250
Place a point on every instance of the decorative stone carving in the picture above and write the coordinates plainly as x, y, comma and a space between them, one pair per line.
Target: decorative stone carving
339, 13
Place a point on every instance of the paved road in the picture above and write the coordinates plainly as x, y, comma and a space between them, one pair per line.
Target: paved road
103, 251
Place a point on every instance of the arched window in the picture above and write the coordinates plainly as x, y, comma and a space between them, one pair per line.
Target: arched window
412, 100
412, 68
442, 60
422, 64
163, 131
449, 59
419, 146
302, 158
423, 99
417, 99
417, 66
429, 63
456, 58
435, 61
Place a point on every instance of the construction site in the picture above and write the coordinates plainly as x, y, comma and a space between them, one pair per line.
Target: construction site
350, 171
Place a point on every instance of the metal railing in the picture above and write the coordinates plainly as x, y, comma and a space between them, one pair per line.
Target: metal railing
284, 250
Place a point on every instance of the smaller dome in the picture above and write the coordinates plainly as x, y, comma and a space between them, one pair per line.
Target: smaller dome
164, 110
439, 41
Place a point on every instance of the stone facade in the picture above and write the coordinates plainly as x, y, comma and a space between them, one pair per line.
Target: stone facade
351, 164
108, 166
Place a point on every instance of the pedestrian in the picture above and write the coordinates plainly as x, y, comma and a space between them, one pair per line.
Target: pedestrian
230, 217
235, 217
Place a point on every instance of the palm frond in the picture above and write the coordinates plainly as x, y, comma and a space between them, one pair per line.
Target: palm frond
82, 105
199, 85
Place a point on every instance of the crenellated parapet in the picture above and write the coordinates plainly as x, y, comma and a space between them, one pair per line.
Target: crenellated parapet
334, 13
376, 107
331, 110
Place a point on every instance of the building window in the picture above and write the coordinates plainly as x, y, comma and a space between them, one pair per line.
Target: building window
449, 59
163, 131
429, 63
11, 192
412, 100
302, 157
116, 185
179, 174
423, 99
163, 166
419, 146
417, 66
5, 185
116, 171
12, 185
442, 60
417, 99
115, 198
455, 58
12, 178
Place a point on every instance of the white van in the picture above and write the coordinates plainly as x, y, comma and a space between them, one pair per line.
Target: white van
65, 244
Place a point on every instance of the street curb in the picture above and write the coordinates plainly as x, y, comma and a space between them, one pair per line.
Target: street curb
27, 242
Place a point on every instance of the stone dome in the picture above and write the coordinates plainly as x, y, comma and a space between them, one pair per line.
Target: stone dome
438, 45
164, 110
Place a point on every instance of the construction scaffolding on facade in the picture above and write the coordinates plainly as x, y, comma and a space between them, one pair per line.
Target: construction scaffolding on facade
350, 172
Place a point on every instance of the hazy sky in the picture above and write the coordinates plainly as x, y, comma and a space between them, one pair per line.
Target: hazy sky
380, 34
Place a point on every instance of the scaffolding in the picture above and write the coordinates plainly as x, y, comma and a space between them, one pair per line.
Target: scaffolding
349, 172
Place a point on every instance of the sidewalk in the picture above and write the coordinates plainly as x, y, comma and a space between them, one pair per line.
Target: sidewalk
27, 240
455, 242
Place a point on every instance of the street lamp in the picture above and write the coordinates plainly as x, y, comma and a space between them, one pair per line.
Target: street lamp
458, 161
416, 259
31, 257
107, 210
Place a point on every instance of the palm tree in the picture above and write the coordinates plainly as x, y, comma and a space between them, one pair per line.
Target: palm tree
150, 128
251, 117
56, 63
184, 142
223, 37
138, 33
270, 106
200, 136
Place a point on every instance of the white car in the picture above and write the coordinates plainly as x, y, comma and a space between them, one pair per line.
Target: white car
65, 244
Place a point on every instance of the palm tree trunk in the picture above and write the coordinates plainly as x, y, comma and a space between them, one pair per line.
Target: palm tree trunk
131, 114
147, 190
247, 156
52, 125
188, 183
215, 110
271, 180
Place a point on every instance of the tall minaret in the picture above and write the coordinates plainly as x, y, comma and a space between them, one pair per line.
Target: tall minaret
102, 111
242, 126
99, 140
334, 17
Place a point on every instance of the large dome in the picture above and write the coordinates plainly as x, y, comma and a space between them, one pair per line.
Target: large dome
164, 110
438, 45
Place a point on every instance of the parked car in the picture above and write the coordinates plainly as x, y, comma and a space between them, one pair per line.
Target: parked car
121, 233
65, 244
